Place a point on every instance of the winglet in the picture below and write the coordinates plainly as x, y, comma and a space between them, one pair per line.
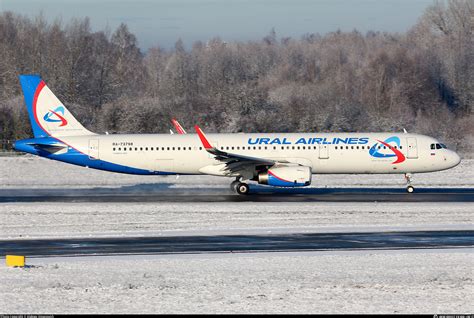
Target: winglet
178, 127
203, 138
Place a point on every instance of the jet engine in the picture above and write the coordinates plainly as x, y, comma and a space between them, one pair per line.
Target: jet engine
286, 176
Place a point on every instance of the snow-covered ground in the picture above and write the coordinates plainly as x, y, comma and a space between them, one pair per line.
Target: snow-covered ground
35, 172
32, 220
427, 282
409, 281
35, 220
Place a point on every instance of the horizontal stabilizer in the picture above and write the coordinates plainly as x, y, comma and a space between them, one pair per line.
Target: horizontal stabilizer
51, 148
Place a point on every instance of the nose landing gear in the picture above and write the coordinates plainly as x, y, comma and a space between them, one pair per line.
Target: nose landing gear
410, 188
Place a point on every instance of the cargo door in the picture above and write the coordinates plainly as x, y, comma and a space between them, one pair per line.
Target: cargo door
412, 150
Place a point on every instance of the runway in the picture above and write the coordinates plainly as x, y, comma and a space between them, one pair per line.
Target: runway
163, 193
240, 243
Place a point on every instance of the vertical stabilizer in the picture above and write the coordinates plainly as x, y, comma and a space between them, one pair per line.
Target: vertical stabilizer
48, 116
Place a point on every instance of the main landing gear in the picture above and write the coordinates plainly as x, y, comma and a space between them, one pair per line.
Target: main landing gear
239, 187
410, 188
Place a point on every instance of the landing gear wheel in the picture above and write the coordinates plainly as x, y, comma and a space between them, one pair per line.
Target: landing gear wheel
233, 184
242, 188
410, 188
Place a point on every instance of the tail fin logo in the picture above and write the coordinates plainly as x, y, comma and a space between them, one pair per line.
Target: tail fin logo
374, 151
56, 116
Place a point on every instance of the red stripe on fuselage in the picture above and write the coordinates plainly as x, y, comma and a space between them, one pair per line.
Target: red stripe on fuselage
400, 156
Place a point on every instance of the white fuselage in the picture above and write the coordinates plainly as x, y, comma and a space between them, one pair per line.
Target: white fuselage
323, 152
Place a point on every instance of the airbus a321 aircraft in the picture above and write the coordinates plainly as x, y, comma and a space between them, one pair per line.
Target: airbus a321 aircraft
274, 159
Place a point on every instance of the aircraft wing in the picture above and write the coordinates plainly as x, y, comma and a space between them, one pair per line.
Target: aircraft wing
231, 159
178, 127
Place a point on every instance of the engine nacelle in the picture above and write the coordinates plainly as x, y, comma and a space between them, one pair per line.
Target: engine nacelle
286, 176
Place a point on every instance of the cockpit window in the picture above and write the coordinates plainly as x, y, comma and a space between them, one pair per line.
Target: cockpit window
438, 146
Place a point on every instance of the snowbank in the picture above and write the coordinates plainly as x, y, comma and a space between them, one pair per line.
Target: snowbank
353, 282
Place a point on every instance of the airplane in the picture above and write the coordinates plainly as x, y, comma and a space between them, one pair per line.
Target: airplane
273, 159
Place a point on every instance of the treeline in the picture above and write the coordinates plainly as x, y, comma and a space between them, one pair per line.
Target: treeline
421, 80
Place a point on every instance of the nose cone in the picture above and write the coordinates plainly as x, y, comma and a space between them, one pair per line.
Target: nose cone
455, 159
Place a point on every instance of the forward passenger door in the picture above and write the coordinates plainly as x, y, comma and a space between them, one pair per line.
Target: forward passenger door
323, 151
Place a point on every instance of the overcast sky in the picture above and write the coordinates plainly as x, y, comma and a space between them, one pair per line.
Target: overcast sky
162, 22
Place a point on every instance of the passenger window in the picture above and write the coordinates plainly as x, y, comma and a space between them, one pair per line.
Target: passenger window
113, 149
146, 148
443, 146
438, 146
432, 146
